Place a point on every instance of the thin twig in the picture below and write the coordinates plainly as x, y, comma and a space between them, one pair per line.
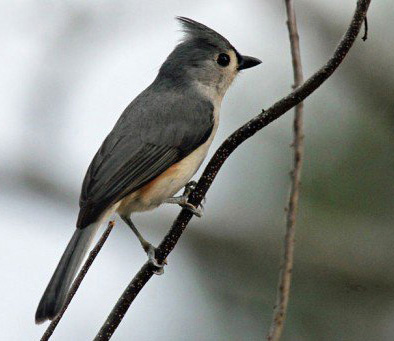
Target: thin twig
224, 151
78, 280
365, 36
279, 315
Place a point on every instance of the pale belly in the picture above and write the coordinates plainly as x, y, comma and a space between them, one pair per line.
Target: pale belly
165, 185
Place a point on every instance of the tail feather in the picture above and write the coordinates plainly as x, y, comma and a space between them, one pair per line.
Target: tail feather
55, 294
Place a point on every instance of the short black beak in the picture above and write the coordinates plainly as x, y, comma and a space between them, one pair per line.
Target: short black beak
247, 62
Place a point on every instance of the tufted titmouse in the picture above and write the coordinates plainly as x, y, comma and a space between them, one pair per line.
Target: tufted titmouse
154, 149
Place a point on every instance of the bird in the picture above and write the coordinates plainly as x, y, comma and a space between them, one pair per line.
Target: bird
156, 146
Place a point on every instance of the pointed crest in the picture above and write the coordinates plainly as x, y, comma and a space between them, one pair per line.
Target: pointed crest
197, 31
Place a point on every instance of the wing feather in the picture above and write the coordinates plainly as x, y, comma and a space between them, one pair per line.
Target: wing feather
142, 145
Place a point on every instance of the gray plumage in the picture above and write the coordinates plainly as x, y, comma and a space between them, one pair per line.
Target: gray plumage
171, 123
159, 128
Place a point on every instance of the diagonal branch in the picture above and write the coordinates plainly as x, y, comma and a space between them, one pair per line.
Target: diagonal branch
224, 151
279, 315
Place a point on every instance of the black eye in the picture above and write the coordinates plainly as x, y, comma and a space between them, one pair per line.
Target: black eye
223, 59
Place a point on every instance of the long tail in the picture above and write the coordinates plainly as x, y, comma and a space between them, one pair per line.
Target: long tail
55, 293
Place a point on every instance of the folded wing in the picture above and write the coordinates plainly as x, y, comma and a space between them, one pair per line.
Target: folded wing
153, 133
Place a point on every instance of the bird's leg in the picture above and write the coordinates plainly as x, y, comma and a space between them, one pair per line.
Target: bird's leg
182, 200
148, 247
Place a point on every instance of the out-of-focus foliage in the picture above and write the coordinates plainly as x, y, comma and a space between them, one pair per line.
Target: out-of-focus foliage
68, 70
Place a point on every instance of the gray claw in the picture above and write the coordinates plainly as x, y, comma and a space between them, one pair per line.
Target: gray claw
183, 200
198, 212
190, 186
159, 268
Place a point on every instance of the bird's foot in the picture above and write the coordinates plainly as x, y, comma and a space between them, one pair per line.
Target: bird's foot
182, 200
197, 211
190, 187
151, 252
148, 248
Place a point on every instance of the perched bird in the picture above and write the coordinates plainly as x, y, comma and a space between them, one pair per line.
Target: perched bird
154, 149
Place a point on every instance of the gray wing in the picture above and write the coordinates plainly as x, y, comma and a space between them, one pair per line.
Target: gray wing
155, 131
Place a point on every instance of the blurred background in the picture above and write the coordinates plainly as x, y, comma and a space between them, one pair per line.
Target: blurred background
69, 68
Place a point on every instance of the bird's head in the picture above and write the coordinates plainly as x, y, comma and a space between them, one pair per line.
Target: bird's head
204, 58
